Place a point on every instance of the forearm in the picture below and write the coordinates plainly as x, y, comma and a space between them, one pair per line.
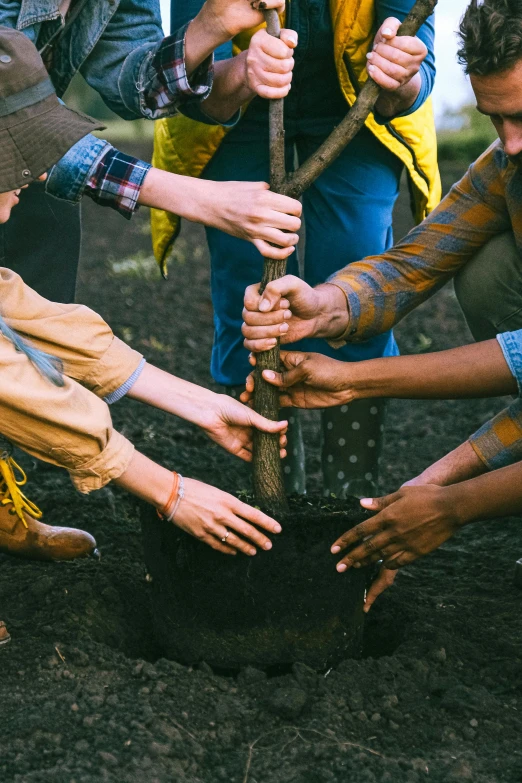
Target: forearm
173, 395
204, 35
146, 480
476, 370
174, 193
390, 104
495, 494
230, 91
459, 465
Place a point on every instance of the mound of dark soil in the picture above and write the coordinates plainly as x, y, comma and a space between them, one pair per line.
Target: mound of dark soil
84, 697
277, 608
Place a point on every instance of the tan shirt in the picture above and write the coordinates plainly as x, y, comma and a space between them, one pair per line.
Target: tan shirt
68, 426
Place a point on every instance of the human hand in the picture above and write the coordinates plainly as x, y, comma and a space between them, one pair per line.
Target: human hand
231, 425
384, 579
290, 309
269, 63
211, 515
309, 380
395, 59
410, 523
231, 17
251, 211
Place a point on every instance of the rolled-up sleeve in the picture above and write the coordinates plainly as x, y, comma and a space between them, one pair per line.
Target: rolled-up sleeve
90, 352
499, 442
67, 426
511, 345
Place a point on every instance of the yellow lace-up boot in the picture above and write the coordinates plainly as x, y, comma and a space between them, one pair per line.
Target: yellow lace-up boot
21, 532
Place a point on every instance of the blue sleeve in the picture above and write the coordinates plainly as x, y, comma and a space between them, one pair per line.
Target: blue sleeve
511, 344
68, 178
117, 66
400, 9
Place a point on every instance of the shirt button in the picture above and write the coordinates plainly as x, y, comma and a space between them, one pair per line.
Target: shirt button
4, 58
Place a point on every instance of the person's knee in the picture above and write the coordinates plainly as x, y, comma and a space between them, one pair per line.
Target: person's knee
478, 286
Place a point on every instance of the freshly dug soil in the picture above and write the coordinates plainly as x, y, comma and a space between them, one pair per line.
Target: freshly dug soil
274, 609
85, 696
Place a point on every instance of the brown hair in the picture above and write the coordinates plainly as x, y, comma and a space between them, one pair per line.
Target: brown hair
490, 36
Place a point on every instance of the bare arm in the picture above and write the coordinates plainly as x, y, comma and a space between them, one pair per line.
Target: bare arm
248, 210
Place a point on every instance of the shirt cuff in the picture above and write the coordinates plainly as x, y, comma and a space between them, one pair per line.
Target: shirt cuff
171, 73
499, 442
115, 181
124, 389
114, 369
109, 464
68, 178
511, 345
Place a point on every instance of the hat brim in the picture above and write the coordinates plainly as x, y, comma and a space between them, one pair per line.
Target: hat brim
34, 141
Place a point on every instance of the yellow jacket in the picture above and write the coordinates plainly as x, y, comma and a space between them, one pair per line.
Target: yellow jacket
185, 146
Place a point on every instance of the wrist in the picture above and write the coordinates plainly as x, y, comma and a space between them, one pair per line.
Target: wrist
393, 102
332, 312
204, 34
461, 500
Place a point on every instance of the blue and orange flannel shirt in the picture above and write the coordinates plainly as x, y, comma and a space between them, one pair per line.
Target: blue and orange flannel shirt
381, 290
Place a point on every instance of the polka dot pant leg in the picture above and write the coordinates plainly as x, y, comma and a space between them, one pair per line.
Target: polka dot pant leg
351, 447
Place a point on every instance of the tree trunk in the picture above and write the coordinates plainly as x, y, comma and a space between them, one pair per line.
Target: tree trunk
267, 473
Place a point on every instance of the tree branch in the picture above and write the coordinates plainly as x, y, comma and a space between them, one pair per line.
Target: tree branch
297, 183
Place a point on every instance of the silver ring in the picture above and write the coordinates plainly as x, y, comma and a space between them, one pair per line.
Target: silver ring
223, 540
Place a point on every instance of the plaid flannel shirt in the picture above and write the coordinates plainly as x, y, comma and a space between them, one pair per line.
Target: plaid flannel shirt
116, 179
381, 290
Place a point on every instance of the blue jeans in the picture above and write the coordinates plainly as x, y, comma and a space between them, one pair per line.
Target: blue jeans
347, 212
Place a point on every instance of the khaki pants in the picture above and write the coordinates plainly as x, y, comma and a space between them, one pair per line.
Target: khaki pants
489, 289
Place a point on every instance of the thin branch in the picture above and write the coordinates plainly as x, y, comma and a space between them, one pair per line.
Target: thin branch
301, 180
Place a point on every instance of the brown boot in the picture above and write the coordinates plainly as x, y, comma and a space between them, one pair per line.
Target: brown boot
5, 636
21, 532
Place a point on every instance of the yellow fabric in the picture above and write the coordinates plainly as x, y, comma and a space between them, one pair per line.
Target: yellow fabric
184, 146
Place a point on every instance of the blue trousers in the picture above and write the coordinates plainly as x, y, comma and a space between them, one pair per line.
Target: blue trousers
347, 214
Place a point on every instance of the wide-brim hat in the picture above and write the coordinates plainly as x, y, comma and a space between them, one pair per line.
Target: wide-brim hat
36, 130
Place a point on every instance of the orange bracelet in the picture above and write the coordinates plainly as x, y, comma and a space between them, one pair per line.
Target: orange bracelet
163, 512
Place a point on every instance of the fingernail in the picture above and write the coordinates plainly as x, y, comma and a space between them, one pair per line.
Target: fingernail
293, 38
335, 549
366, 501
341, 567
283, 328
269, 375
251, 552
356, 565
387, 31
264, 305
366, 609
287, 314
369, 55
370, 69
277, 528
268, 545
271, 343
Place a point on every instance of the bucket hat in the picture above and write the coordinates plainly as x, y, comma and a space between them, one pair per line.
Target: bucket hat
36, 130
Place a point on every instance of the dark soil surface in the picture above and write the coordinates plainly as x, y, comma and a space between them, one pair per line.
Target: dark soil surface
84, 694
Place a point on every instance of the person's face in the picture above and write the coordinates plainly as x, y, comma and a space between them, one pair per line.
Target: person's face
10, 199
499, 96
7, 202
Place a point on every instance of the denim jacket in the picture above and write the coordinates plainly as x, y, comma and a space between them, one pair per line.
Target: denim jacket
112, 43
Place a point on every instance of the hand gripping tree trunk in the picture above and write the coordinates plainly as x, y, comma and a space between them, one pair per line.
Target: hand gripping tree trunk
267, 473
